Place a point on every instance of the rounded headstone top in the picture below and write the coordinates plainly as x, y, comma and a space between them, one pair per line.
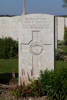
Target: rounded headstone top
36, 20
33, 24
35, 16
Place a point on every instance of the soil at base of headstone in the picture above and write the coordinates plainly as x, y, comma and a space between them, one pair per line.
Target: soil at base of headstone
6, 94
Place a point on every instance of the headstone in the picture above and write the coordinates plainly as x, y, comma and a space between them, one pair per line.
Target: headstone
60, 28
36, 46
65, 21
56, 31
9, 27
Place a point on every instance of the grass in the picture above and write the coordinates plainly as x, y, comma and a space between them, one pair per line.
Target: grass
60, 64
8, 65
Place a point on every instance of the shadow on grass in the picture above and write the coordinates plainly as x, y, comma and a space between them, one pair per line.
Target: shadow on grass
6, 77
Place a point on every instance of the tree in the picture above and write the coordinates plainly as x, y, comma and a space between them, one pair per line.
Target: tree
65, 3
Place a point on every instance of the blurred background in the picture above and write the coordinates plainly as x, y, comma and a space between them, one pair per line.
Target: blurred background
15, 7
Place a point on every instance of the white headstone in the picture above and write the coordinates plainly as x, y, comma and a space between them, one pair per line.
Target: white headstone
9, 27
56, 31
36, 46
60, 28
65, 21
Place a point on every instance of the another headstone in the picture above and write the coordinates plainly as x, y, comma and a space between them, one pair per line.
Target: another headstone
9, 27
65, 21
56, 31
60, 28
36, 46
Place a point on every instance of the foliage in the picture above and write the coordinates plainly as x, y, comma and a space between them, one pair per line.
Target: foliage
50, 83
54, 84
59, 54
8, 48
25, 91
65, 3
65, 42
64, 48
65, 29
60, 42
16, 92
65, 34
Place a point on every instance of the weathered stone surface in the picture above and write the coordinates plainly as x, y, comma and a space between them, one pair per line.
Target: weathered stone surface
9, 27
56, 31
65, 19
60, 28
60, 23
36, 45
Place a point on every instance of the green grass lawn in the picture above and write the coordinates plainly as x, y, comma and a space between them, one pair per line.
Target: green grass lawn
60, 64
8, 65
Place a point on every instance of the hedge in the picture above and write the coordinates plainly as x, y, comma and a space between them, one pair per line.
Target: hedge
8, 48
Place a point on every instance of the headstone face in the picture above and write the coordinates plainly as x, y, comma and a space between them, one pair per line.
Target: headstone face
60, 28
9, 27
65, 21
36, 46
56, 31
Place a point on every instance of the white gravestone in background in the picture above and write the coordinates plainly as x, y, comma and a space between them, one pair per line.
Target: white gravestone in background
56, 31
9, 27
60, 28
36, 46
65, 19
